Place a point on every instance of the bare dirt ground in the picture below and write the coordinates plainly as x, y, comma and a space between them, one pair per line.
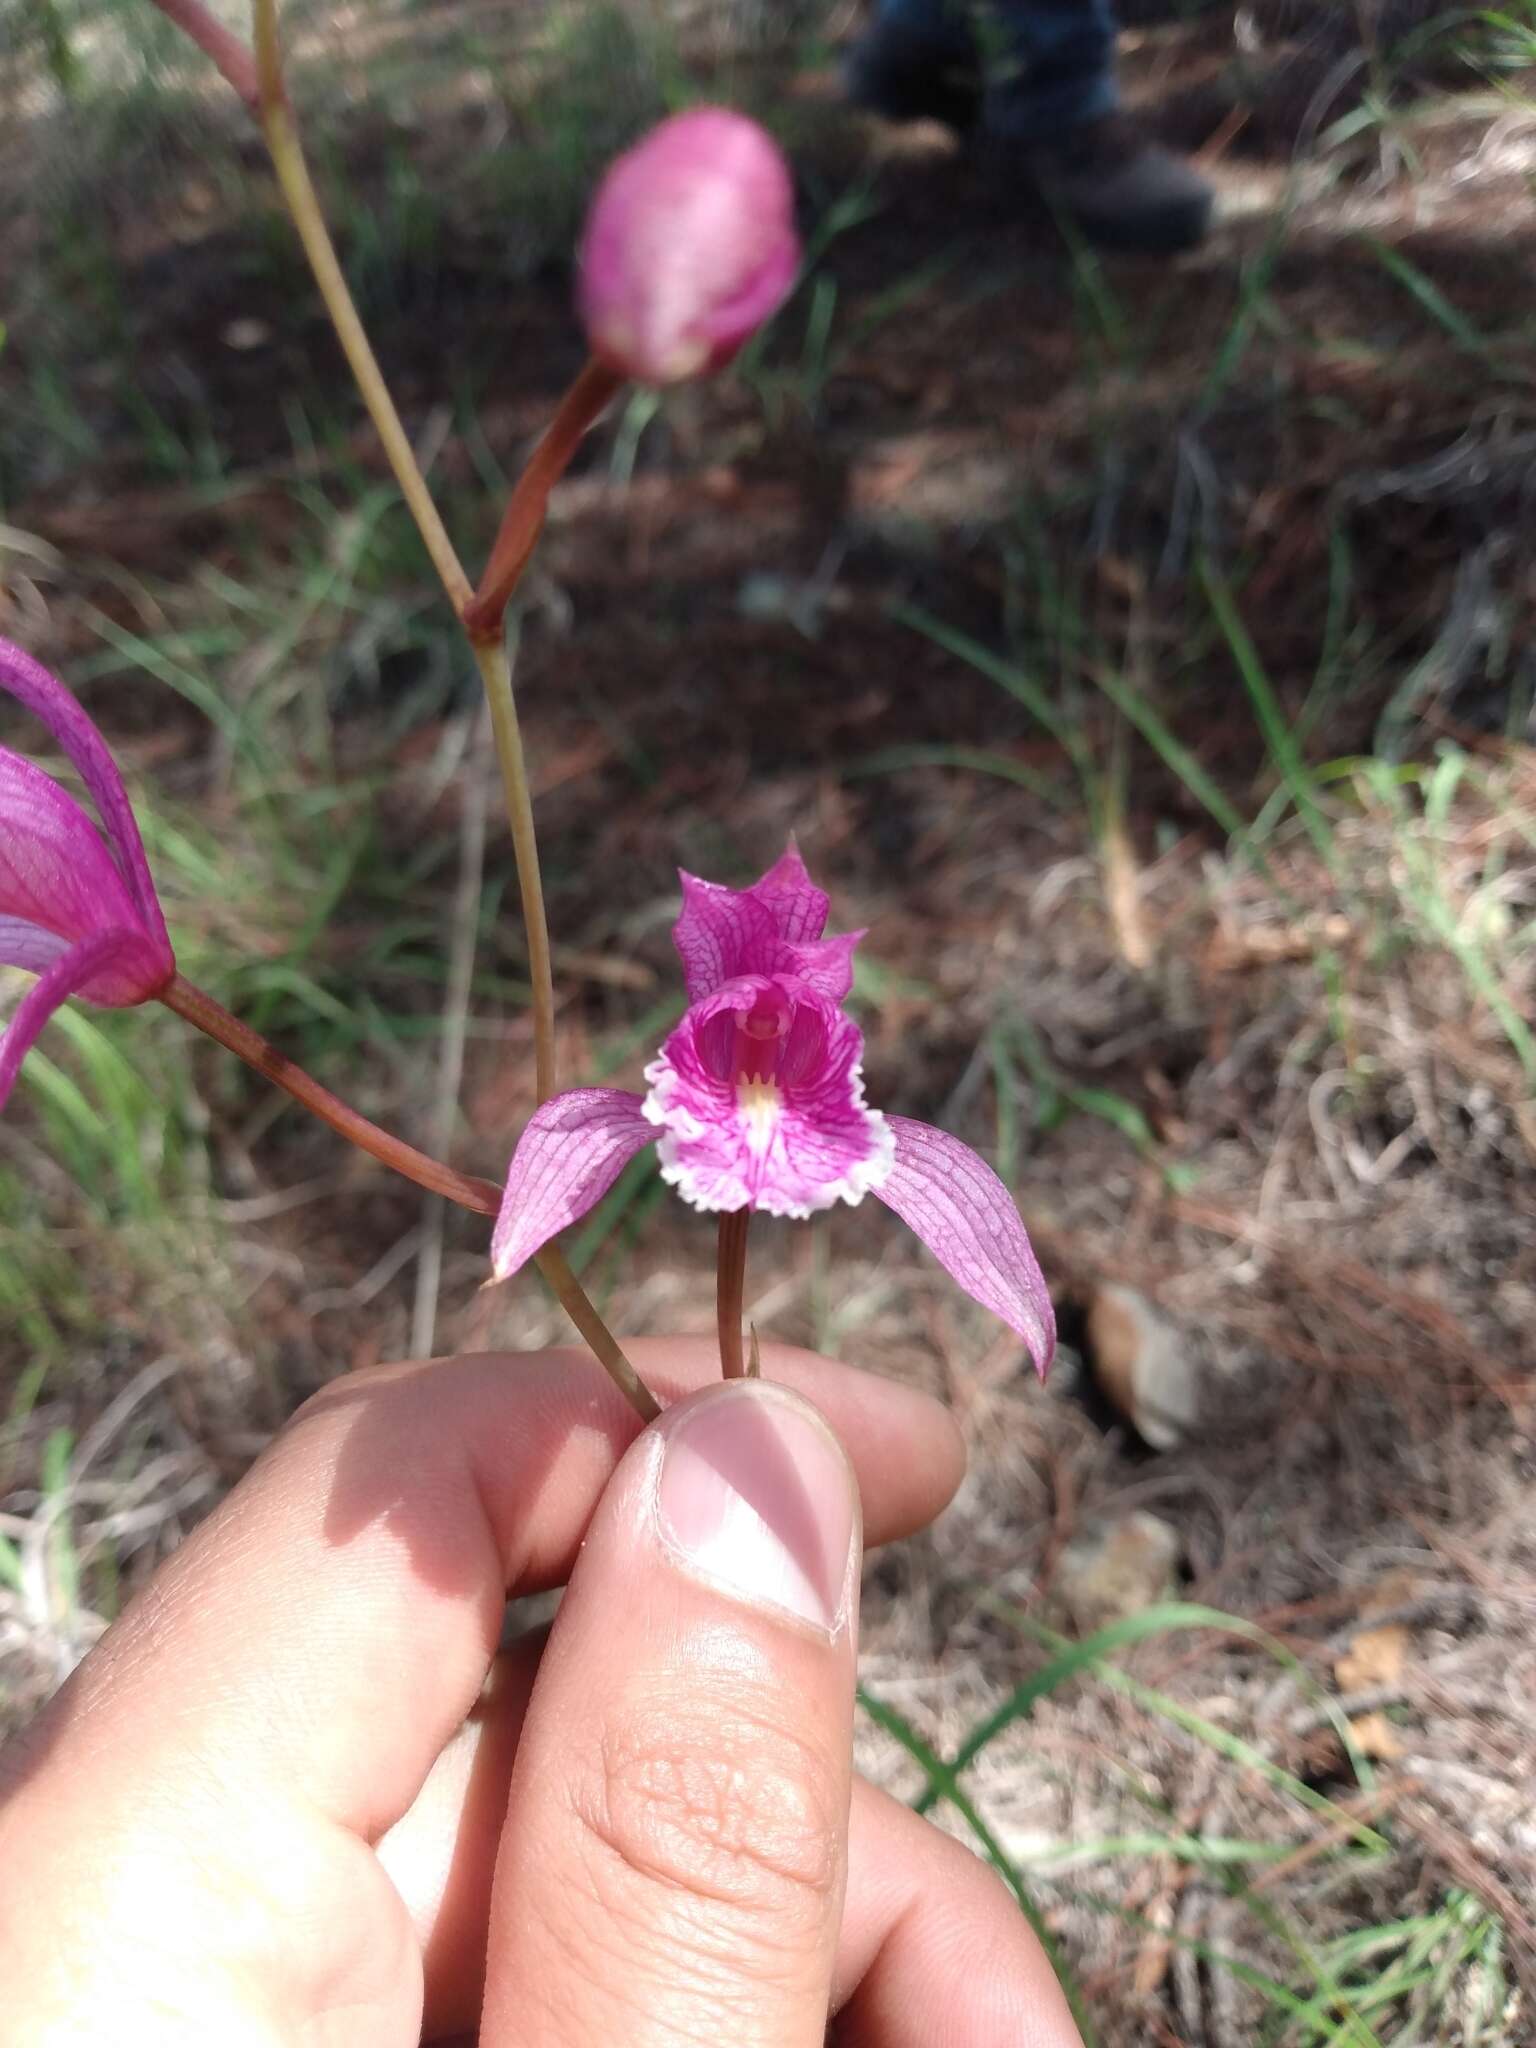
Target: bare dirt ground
1273, 1091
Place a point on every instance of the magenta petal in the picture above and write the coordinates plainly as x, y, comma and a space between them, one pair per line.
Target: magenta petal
798, 908
825, 965
92, 960
774, 927
721, 933
960, 1209
46, 697
54, 869
24, 944
571, 1152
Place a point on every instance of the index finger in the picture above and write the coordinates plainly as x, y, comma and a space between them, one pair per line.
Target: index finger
324, 1632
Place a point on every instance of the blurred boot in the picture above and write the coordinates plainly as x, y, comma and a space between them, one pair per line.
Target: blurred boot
1111, 181
1038, 77
916, 64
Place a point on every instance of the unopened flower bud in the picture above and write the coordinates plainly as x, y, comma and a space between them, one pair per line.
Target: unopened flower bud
689, 247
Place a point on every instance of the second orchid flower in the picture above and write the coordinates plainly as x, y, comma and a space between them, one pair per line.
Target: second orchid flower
77, 906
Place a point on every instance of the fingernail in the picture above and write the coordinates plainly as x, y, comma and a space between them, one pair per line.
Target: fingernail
757, 1497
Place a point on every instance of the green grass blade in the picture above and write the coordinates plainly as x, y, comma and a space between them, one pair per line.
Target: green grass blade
938, 1774
1278, 736
1428, 297
146, 655
1073, 1659
979, 760
1023, 688
1177, 757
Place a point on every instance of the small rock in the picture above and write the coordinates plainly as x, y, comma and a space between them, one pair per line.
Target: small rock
1143, 1365
246, 334
1115, 1568
1376, 1738
1375, 1657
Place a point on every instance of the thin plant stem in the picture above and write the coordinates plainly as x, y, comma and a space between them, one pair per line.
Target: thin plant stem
190, 1002
496, 674
450, 1065
299, 192
523, 521
259, 82
468, 1191
730, 1287
602, 1343
490, 653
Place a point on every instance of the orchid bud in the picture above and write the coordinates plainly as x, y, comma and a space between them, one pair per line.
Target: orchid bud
689, 247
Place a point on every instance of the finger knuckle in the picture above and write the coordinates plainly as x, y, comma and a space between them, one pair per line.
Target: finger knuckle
727, 1807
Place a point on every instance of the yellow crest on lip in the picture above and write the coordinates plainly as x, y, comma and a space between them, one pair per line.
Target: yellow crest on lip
759, 1103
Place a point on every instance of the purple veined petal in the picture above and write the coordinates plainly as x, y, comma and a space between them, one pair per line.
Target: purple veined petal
773, 927
135, 970
46, 697
55, 870
571, 1152
24, 944
825, 965
721, 933
89, 961
798, 908
960, 1209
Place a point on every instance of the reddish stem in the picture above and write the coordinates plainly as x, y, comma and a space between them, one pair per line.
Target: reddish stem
730, 1287
523, 520
482, 1196
234, 60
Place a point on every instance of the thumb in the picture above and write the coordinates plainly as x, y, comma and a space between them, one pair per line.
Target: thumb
672, 1864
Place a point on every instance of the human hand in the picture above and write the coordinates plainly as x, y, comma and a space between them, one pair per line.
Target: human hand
295, 1795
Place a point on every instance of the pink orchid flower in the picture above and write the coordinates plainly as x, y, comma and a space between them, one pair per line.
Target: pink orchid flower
757, 1102
76, 908
689, 246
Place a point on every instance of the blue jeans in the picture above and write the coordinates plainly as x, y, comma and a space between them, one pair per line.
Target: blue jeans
1050, 64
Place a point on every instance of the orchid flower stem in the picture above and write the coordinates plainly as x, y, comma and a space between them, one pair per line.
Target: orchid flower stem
523, 520
602, 1343
496, 674
730, 1287
299, 193
259, 82
483, 1196
489, 650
